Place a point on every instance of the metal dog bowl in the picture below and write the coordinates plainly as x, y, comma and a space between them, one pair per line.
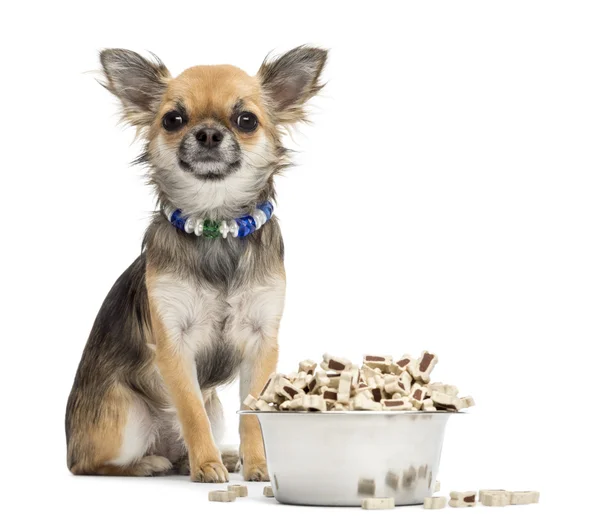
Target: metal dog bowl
339, 458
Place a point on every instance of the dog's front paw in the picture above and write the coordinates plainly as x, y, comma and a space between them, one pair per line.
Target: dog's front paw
256, 472
210, 472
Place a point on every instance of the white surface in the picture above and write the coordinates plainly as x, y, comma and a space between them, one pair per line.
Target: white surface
446, 198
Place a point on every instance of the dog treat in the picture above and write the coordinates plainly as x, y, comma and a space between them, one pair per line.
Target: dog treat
250, 402
417, 395
428, 405
464, 499
421, 370
307, 367
238, 489
344, 387
378, 504
378, 362
404, 363
261, 405
268, 393
330, 396
437, 486
467, 402
450, 390
444, 401
366, 487
300, 381
314, 403
284, 388
362, 402
268, 491
494, 498
483, 492
434, 503
379, 384
311, 384
524, 497
405, 382
333, 363
397, 405
221, 496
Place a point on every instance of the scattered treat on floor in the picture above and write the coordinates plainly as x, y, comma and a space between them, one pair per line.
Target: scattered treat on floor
378, 504
483, 492
379, 384
221, 496
495, 498
366, 487
268, 491
435, 503
239, 490
524, 497
462, 499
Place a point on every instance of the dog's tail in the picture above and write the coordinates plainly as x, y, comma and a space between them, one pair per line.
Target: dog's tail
231, 458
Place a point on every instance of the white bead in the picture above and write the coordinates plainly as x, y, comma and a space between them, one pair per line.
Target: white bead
224, 229
169, 212
189, 225
260, 218
199, 227
234, 228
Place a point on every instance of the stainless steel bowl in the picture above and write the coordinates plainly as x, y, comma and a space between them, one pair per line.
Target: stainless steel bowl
340, 458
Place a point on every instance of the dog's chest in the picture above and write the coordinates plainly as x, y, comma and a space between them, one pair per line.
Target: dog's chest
218, 330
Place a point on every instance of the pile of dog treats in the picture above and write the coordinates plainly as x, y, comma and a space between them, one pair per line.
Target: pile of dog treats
380, 384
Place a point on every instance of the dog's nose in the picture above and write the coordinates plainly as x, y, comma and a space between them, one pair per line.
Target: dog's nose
209, 137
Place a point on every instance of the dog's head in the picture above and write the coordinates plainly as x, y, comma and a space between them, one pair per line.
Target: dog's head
213, 133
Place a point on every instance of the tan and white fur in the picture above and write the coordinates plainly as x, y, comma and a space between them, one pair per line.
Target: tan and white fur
191, 313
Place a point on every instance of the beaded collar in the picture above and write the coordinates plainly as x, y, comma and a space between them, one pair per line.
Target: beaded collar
240, 227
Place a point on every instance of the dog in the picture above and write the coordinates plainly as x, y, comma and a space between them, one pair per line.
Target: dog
203, 301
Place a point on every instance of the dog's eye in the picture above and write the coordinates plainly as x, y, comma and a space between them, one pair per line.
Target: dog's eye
246, 121
173, 121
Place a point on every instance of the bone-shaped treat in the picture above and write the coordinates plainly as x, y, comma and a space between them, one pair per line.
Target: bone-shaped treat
434, 503
524, 497
423, 367
378, 504
221, 496
334, 363
307, 366
495, 498
462, 499
238, 489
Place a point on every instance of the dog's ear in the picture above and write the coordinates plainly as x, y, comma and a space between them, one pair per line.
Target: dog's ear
137, 82
290, 80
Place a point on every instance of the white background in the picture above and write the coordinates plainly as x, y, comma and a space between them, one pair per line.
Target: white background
446, 198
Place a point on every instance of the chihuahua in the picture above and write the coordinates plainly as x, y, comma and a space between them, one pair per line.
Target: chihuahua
203, 301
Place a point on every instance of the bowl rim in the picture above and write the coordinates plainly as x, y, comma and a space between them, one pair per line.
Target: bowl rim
387, 413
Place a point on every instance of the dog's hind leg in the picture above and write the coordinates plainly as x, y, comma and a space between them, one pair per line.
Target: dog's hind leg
112, 435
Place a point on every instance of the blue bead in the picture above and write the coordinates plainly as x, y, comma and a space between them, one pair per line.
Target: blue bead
177, 220
246, 225
267, 208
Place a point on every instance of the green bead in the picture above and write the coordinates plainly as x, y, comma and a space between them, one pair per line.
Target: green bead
210, 229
